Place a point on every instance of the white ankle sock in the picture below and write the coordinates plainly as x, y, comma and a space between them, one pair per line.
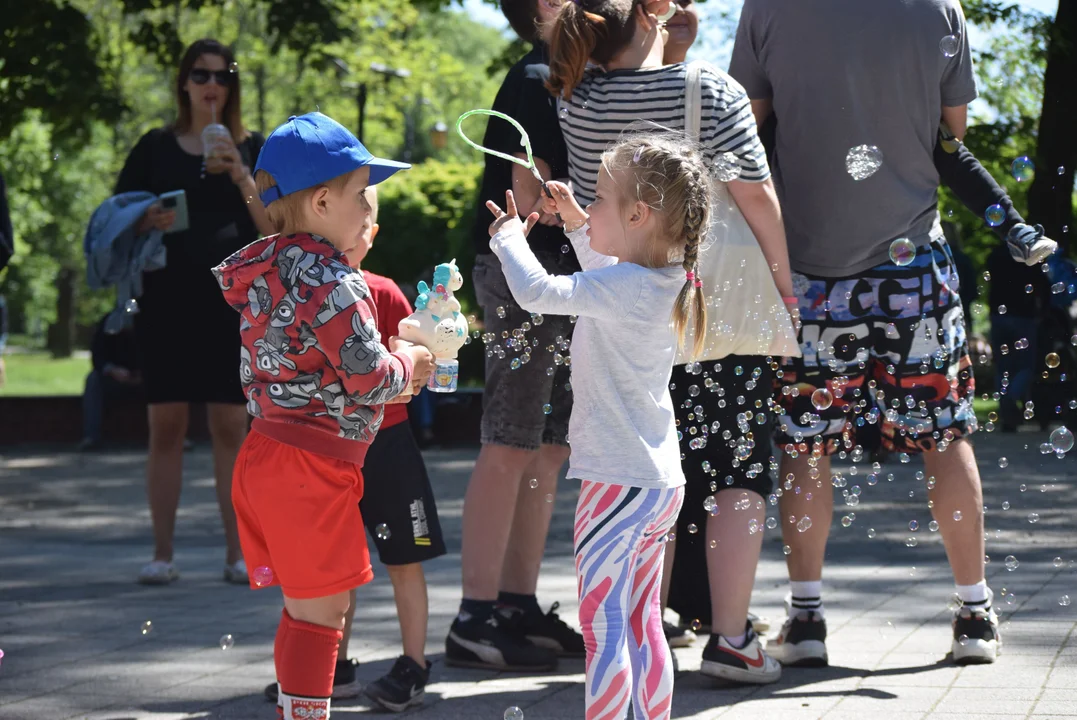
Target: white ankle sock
806, 595
974, 594
737, 641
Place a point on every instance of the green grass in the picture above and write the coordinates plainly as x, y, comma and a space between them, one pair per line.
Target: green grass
37, 373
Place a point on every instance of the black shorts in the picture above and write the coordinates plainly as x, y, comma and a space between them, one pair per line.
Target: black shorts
398, 503
736, 385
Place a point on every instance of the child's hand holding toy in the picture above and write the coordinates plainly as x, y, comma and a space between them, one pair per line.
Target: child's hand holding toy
564, 204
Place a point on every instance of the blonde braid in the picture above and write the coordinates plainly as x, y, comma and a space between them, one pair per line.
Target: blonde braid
691, 303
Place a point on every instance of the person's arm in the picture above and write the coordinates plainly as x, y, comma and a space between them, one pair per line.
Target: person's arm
970, 182
605, 294
348, 338
229, 156
762, 109
563, 203
528, 190
957, 120
759, 204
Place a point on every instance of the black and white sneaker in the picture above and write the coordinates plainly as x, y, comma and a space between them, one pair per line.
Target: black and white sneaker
976, 637
495, 644
404, 686
345, 684
748, 664
676, 636
549, 631
801, 641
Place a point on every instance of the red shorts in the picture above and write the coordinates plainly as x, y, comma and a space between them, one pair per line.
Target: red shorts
299, 521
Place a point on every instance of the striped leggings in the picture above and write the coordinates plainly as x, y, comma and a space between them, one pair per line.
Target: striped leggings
619, 539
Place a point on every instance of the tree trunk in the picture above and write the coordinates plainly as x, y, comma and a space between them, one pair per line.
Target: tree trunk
1050, 199
61, 334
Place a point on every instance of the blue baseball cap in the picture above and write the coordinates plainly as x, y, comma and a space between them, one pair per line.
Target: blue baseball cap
312, 149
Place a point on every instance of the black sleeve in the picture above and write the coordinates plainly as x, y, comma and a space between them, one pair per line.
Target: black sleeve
537, 111
99, 347
251, 148
960, 171
136, 173
7, 234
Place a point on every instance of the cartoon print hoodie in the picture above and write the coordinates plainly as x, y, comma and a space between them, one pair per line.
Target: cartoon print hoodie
312, 364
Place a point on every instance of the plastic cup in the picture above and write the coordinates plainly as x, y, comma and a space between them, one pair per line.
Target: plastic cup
446, 376
213, 135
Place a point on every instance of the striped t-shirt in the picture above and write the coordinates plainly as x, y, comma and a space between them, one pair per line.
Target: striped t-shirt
606, 103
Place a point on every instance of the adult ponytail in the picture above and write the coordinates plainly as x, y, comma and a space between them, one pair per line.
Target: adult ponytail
576, 33
587, 30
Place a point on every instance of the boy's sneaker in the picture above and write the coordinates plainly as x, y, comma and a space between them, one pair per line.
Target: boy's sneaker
403, 686
495, 643
748, 664
976, 637
676, 636
551, 632
345, 684
801, 641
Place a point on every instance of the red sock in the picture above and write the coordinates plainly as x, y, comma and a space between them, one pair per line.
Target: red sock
306, 657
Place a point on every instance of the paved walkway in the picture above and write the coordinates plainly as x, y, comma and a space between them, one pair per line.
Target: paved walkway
74, 530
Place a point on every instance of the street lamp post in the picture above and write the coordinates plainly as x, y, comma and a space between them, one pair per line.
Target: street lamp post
361, 88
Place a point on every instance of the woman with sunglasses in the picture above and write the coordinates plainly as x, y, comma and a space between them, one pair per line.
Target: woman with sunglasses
187, 336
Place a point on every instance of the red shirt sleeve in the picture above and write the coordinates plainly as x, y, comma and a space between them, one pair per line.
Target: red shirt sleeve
348, 337
391, 307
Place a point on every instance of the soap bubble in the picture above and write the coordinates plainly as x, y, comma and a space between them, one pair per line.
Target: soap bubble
695, 625
549, 499
147, 627
871, 533
1058, 563
914, 526
563, 114
1062, 440
1033, 517
130, 306
1011, 563
1003, 462
933, 526
710, 505
233, 68
263, 576
1052, 360
692, 528
501, 312
963, 640
957, 515
1064, 601
533, 483
1023, 169
227, 641
911, 541
382, 532
995, 215
902, 252
547, 409
822, 399
863, 161
727, 167
1009, 599
804, 525
846, 521
513, 713
772, 522
950, 45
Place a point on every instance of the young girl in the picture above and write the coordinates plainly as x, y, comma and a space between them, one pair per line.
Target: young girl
726, 471
638, 245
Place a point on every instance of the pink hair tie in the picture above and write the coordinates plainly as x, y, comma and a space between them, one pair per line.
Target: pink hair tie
699, 283
689, 275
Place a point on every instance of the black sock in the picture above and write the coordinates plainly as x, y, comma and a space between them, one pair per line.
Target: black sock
479, 610
527, 603
345, 672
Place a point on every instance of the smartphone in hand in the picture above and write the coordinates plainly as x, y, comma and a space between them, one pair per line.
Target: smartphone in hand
177, 202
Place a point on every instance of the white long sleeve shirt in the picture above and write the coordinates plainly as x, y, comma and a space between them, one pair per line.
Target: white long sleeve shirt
622, 428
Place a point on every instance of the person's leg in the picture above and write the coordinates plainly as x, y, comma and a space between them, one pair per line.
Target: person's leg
93, 403
605, 537
957, 506
305, 653
488, 517
810, 496
227, 429
531, 521
164, 472
652, 661
732, 561
349, 620
412, 608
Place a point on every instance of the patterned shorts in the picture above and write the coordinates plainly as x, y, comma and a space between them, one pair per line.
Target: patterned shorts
887, 346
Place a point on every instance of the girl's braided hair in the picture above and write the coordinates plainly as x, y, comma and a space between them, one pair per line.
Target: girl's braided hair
666, 172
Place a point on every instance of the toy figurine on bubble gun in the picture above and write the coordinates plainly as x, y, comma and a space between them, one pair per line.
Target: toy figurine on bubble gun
438, 324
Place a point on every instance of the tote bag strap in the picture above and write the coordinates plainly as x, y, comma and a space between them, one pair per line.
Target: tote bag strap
693, 99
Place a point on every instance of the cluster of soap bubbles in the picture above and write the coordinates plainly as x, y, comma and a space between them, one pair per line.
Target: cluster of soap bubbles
863, 161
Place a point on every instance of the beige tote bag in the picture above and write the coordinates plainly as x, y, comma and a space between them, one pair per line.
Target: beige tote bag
745, 312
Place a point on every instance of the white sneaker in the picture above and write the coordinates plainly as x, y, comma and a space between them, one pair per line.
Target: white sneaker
748, 664
976, 639
236, 573
158, 572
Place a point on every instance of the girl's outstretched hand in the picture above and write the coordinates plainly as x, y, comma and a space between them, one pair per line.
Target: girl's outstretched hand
564, 203
509, 220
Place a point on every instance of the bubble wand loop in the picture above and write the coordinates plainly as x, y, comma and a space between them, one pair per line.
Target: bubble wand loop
525, 140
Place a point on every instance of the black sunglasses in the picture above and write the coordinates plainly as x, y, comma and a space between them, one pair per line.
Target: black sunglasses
200, 76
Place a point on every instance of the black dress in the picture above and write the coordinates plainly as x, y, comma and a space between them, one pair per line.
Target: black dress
187, 335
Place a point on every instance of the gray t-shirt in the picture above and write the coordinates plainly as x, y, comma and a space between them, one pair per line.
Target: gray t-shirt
846, 73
